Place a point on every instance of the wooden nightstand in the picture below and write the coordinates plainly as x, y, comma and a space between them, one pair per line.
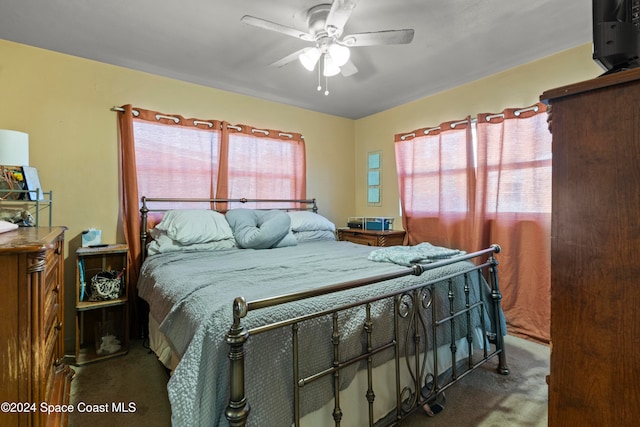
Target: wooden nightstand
102, 325
372, 237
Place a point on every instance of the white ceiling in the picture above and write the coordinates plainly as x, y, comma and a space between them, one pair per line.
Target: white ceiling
204, 42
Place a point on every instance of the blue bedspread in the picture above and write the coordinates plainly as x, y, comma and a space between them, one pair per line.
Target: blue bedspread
191, 294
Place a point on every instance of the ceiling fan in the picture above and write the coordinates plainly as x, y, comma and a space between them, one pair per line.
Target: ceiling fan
330, 52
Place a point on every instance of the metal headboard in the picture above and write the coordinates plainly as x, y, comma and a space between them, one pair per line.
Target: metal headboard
303, 205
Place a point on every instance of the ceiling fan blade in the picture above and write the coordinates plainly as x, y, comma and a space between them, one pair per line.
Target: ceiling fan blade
338, 15
378, 38
268, 25
348, 69
289, 58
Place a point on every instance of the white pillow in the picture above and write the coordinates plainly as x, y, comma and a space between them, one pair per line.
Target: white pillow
193, 226
309, 236
163, 244
310, 221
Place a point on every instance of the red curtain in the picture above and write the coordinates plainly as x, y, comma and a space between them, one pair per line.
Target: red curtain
502, 195
171, 156
263, 164
514, 210
436, 181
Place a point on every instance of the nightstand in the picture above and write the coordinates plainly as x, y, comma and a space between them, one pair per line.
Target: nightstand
102, 320
372, 237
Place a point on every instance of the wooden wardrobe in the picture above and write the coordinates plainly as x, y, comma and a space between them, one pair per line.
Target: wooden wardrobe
595, 252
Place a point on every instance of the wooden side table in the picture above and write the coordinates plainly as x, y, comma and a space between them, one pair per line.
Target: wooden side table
102, 325
372, 237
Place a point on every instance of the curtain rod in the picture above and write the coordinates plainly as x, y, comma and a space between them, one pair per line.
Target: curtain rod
198, 122
135, 112
473, 120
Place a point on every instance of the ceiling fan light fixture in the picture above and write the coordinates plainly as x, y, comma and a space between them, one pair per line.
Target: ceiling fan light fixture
339, 54
330, 67
309, 58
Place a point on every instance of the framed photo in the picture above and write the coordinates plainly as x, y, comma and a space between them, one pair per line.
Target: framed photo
373, 178
373, 195
32, 182
374, 160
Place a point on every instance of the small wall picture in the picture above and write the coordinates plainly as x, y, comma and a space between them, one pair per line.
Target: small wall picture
373, 178
374, 181
374, 160
32, 182
373, 195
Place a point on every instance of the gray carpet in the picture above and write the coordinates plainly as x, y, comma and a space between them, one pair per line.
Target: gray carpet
137, 377
483, 398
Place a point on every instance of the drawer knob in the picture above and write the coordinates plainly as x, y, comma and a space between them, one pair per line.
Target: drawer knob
59, 326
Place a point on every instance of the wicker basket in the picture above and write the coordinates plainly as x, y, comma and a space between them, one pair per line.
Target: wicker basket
106, 285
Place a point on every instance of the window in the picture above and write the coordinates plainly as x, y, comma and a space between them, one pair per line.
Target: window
433, 170
263, 168
173, 161
515, 162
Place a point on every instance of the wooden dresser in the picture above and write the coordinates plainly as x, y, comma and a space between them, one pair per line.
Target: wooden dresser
594, 375
372, 237
32, 368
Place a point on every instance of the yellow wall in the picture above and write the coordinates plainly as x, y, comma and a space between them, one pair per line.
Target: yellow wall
517, 87
64, 104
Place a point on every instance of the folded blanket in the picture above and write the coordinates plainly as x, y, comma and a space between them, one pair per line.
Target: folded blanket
422, 253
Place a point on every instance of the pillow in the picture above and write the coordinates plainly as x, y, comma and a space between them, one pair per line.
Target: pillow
193, 226
255, 229
309, 221
288, 240
162, 244
309, 236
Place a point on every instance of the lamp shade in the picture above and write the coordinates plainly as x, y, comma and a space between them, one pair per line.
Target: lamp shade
339, 54
14, 148
330, 68
309, 58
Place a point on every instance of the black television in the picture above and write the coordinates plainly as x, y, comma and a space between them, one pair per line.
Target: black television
616, 34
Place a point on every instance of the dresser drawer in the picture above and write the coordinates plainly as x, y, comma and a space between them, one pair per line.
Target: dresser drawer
361, 239
49, 356
51, 307
52, 261
372, 237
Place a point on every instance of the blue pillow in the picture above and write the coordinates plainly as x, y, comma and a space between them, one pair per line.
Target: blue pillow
256, 229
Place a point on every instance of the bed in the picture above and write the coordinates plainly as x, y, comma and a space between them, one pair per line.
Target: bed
307, 330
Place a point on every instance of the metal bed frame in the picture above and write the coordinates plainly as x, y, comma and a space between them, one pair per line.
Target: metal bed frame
414, 305
410, 305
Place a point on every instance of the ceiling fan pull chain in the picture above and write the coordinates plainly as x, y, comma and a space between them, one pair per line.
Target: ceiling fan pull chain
326, 85
319, 74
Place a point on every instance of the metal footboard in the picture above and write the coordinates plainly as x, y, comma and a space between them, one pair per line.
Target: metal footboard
420, 323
